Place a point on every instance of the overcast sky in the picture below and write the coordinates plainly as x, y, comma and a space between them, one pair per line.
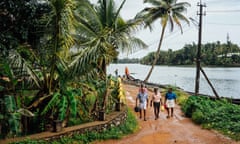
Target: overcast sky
222, 18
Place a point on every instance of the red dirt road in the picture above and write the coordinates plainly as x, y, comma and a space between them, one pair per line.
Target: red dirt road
176, 130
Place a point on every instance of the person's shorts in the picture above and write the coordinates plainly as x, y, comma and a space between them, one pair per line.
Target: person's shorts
156, 104
143, 106
170, 103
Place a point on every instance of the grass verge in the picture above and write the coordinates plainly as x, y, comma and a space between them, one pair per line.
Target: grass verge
128, 127
220, 115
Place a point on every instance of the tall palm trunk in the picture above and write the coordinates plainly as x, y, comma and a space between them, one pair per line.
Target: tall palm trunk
156, 54
105, 95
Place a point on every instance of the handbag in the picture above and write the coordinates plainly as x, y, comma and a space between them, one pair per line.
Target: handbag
136, 108
162, 108
165, 106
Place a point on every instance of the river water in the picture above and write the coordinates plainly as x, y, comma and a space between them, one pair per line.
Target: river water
226, 81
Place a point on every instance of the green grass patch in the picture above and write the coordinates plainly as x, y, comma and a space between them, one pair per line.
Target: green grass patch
220, 115
128, 127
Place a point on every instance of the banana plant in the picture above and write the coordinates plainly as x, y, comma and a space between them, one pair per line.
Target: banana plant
10, 117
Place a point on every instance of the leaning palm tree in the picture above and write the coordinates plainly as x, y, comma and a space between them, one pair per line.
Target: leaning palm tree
169, 11
103, 31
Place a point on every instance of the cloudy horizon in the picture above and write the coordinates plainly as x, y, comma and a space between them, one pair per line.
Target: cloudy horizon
221, 19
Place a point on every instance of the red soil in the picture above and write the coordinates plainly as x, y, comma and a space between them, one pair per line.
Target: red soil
176, 130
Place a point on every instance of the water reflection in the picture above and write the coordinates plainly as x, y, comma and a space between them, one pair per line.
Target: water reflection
225, 80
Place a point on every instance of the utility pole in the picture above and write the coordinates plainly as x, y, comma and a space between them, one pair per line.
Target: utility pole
198, 59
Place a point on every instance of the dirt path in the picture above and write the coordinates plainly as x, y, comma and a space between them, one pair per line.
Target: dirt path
176, 130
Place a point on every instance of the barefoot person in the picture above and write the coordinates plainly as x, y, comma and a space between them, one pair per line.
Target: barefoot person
170, 100
156, 101
142, 97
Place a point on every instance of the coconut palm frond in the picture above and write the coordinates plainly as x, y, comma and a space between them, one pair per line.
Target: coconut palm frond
24, 69
169, 11
153, 2
84, 60
25, 112
133, 45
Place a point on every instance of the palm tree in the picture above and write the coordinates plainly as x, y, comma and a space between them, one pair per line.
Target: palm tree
102, 32
48, 70
169, 11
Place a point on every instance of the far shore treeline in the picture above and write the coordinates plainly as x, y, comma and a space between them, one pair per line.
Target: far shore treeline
213, 54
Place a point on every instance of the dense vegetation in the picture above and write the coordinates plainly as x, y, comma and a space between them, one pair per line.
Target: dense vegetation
214, 114
213, 54
127, 60
53, 60
128, 127
220, 115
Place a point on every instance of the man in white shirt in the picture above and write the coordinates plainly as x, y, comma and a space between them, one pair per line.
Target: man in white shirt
142, 97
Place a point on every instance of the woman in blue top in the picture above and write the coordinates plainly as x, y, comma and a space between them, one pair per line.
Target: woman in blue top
170, 100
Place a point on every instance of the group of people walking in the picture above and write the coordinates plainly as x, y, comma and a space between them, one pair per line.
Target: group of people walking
156, 100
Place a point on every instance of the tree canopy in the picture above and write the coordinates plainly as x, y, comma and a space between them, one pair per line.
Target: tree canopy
213, 54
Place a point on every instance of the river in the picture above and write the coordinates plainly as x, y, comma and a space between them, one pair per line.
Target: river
226, 81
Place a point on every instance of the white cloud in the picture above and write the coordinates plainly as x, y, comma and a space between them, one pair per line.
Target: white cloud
216, 25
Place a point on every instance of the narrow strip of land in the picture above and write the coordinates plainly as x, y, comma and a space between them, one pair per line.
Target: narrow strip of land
179, 129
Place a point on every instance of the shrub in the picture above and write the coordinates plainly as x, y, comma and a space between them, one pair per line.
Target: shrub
128, 127
198, 117
214, 114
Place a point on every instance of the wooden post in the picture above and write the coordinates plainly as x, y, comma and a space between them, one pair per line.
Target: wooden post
118, 106
57, 125
101, 115
213, 89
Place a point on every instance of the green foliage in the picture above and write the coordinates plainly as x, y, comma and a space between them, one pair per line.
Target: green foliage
113, 86
73, 103
60, 103
10, 119
8, 80
118, 132
63, 108
85, 103
40, 36
128, 127
212, 54
198, 117
85, 97
53, 102
127, 60
17, 19
214, 114
181, 96
29, 141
